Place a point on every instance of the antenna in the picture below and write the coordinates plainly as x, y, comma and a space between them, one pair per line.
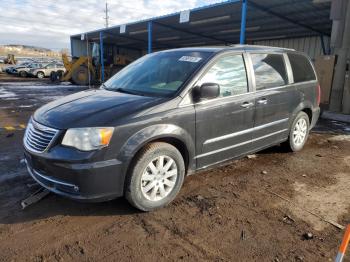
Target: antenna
106, 15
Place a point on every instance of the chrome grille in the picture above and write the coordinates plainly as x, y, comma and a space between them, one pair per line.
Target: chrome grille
38, 137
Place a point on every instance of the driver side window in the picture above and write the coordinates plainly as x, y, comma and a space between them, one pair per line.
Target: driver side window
229, 72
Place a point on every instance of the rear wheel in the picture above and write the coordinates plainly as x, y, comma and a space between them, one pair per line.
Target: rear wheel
156, 177
299, 132
40, 74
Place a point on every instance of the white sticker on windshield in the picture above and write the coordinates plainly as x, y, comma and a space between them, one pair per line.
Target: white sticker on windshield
191, 59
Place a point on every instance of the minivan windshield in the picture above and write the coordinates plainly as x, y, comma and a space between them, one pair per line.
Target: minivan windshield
158, 74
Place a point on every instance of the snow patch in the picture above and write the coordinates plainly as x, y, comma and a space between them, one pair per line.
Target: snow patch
6, 94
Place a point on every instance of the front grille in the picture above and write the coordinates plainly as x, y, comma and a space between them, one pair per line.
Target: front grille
38, 137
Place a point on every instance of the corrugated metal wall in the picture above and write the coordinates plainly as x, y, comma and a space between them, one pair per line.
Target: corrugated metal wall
78, 47
310, 45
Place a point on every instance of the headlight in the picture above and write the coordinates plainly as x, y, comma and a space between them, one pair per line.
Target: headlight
87, 139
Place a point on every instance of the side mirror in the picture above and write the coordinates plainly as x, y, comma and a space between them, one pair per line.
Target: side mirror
208, 91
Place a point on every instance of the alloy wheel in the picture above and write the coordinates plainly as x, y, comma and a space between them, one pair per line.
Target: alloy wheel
159, 178
300, 132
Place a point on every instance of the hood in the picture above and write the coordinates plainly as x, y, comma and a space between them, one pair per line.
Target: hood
92, 108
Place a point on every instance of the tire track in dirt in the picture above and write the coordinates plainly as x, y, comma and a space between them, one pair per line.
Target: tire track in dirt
153, 225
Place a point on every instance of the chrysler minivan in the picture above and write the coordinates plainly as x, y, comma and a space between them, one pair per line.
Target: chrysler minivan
168, 115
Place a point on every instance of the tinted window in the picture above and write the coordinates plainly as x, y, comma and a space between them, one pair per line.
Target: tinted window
159, 74
302, 69
35, 65
229, 72
270, 70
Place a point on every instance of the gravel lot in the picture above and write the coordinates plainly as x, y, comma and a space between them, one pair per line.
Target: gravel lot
253, 209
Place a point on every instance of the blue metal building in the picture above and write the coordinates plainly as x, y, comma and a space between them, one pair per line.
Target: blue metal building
306, 22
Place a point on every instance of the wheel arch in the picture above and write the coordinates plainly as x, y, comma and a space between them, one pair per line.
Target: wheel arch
305, 107
308, 111
167, 133
37, 73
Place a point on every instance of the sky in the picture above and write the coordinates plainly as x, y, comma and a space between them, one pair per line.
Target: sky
49, 23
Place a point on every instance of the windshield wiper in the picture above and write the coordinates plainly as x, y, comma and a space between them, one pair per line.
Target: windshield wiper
128, 91
122, 90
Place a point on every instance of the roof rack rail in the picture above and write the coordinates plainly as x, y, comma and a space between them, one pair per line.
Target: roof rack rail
262, 46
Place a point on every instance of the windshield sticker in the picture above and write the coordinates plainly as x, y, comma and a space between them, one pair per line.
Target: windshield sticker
191, 59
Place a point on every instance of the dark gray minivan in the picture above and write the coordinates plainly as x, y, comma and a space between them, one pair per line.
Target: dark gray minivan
167, 115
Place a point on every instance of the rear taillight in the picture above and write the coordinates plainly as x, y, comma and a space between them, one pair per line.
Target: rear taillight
318, 95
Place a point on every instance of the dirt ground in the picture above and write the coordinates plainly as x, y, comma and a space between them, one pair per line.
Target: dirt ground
253, 209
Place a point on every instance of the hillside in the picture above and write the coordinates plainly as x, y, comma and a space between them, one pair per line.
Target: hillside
24, 50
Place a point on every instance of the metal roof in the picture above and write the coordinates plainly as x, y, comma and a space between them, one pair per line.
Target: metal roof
219, 24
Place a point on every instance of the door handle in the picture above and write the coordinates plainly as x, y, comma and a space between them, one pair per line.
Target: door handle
262, 101
247, 104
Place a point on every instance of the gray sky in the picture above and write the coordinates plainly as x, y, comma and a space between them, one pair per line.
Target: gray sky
49, 23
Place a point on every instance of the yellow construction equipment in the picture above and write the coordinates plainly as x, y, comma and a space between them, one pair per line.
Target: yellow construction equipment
10, 59
79, 70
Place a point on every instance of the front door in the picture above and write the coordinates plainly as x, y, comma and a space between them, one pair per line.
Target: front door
224, 124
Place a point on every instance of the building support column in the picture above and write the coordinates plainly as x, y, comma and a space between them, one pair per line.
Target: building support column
102, 59
149, 37
88, 59
323, 45
243, 22
342, 54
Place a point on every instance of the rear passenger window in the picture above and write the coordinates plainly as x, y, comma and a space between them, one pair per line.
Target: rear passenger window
301, 67
270, 70
229, 72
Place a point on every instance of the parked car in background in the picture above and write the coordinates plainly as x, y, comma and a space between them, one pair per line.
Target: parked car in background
46, 71
169, 114
24, 71
11, 69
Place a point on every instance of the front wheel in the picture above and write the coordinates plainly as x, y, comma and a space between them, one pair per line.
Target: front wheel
299, 132
23, 74
156, 177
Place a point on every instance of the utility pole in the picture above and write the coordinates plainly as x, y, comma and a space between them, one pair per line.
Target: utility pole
106, 15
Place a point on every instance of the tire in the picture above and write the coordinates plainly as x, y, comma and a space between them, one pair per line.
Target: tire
59, 74
23, 74
53, 77
40, 75
80, 76
298, 133
144, 183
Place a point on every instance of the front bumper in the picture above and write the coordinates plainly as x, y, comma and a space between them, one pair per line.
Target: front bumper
90, 182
